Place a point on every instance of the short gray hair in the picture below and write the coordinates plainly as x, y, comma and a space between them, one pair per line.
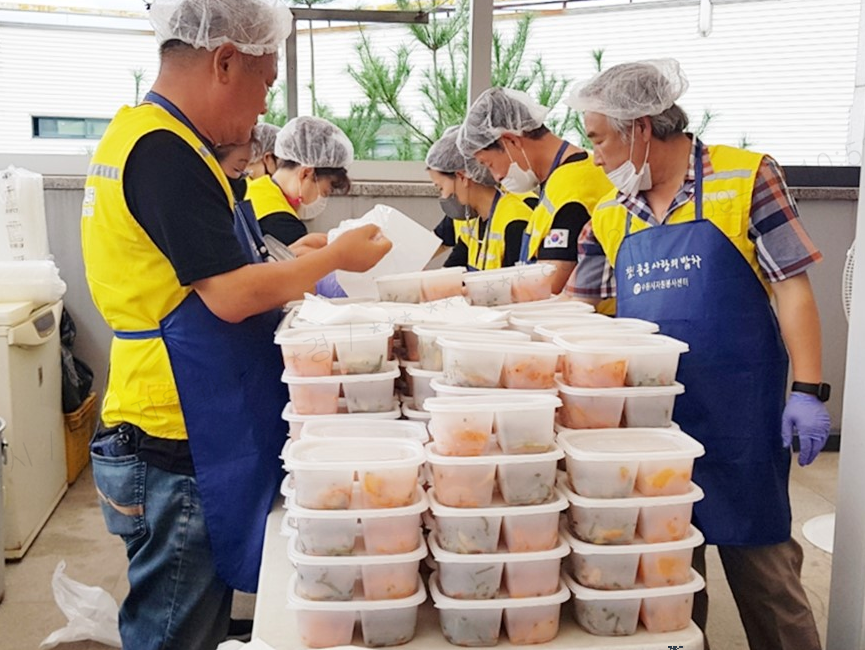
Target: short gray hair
665, 125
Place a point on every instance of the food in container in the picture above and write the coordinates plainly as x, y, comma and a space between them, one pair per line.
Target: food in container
532, 282
592, 326
420, 381
363, 393
488, 288
530, 365
605, 408
430, 353
297, 421
304, 354
441, 283
472, 364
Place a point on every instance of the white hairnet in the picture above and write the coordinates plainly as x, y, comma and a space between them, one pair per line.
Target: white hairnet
314, 142
495, 112
631, 90
444, 156
263, 140
254, 27
479, 174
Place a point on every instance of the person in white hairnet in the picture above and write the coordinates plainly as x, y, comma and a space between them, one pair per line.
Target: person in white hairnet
699, 238
486, 226
262, 159
504, 130
312, 160
186, 464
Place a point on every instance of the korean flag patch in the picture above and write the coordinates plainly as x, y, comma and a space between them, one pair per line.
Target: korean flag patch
558, 238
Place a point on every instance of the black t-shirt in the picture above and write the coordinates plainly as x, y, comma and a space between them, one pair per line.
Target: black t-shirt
181, 206
568, 222
284, 226
445, 231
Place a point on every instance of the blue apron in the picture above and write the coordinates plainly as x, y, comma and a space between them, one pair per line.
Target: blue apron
482, 247
527, 236
228, 382
735, 374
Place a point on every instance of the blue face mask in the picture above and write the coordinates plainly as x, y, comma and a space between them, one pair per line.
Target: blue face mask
453, 208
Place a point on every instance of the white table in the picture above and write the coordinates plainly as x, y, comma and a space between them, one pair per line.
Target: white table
275, 624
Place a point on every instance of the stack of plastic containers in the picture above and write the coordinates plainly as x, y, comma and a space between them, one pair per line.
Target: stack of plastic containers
421, 286
338, 371
495, 512
517, 284
628, 481
354, 507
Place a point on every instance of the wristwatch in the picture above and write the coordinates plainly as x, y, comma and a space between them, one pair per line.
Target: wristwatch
820, 391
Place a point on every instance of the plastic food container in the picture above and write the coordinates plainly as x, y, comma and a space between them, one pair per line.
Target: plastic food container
532, 282
471, 363
441, 283
609, 463
476, 530
527, 321
530, 365
324, 624
638, 360
621, 567
332, 532
305, 354
354, 427
402, 287
324, 471
479, 577
420, 383
296, 421
363, 353
488, 288
368, 393
383, 577
462, 426
592, 326
619, 521
446, 390
478, 622
616, 613
468, 482
410, 413
430, 353
603, 408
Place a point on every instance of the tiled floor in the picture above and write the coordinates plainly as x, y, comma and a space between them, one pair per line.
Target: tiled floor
76, 534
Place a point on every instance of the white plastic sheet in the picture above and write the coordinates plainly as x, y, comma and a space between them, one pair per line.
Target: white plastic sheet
91, 611
34, 281
413, 248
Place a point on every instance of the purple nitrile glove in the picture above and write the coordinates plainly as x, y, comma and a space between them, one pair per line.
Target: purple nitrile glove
328, 287
809, 417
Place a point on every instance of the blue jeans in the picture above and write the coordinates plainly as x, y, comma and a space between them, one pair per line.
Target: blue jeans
176, 601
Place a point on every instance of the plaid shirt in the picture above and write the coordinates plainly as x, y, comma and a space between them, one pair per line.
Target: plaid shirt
783, 247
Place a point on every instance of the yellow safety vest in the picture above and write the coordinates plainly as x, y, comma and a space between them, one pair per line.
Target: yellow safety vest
267, 198
571, 182
727, 193
134, 286
488, 253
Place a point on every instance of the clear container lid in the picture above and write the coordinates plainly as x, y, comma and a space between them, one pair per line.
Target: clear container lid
358, 604
530, 320
637, 501
391, 373
636, 443
358, 453
693, 540
497, 326
624, 391
350, 427
441, 555
445, 389
411, 413
413, 369
289, 415
295, 511
542, 305
359, 557
468, 333
585, 328
501, 601
518, 347
291, 328
520, 272
632, 345
497, 457
500, 403
497, 509
423, 275
585, 593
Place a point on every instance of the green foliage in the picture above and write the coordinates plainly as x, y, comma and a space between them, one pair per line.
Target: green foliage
139, 76
276, 113
361, 125
707, 118
745, 142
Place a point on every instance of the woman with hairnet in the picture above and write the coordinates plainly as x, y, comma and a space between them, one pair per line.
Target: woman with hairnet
699, 238
490, 223
262, 159
312, 157
504, 131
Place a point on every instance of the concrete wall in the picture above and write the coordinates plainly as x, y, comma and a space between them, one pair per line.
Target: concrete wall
829, 216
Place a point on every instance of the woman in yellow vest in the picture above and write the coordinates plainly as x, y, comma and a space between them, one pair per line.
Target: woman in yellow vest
262, 159
312, 156
490, 223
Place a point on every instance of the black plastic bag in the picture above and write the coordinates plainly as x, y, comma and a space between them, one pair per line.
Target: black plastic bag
77, 375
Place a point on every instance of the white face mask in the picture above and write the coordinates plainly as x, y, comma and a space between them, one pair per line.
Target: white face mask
626, 178
312, 210
519, 180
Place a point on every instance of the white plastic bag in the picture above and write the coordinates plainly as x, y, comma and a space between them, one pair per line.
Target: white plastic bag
91, 611
413, 248
24, 234
31, 281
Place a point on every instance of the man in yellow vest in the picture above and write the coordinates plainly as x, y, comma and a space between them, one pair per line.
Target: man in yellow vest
491, 223
698, 238
504, 130
187, 465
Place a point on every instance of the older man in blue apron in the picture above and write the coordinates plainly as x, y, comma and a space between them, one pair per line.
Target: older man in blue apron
698, 239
